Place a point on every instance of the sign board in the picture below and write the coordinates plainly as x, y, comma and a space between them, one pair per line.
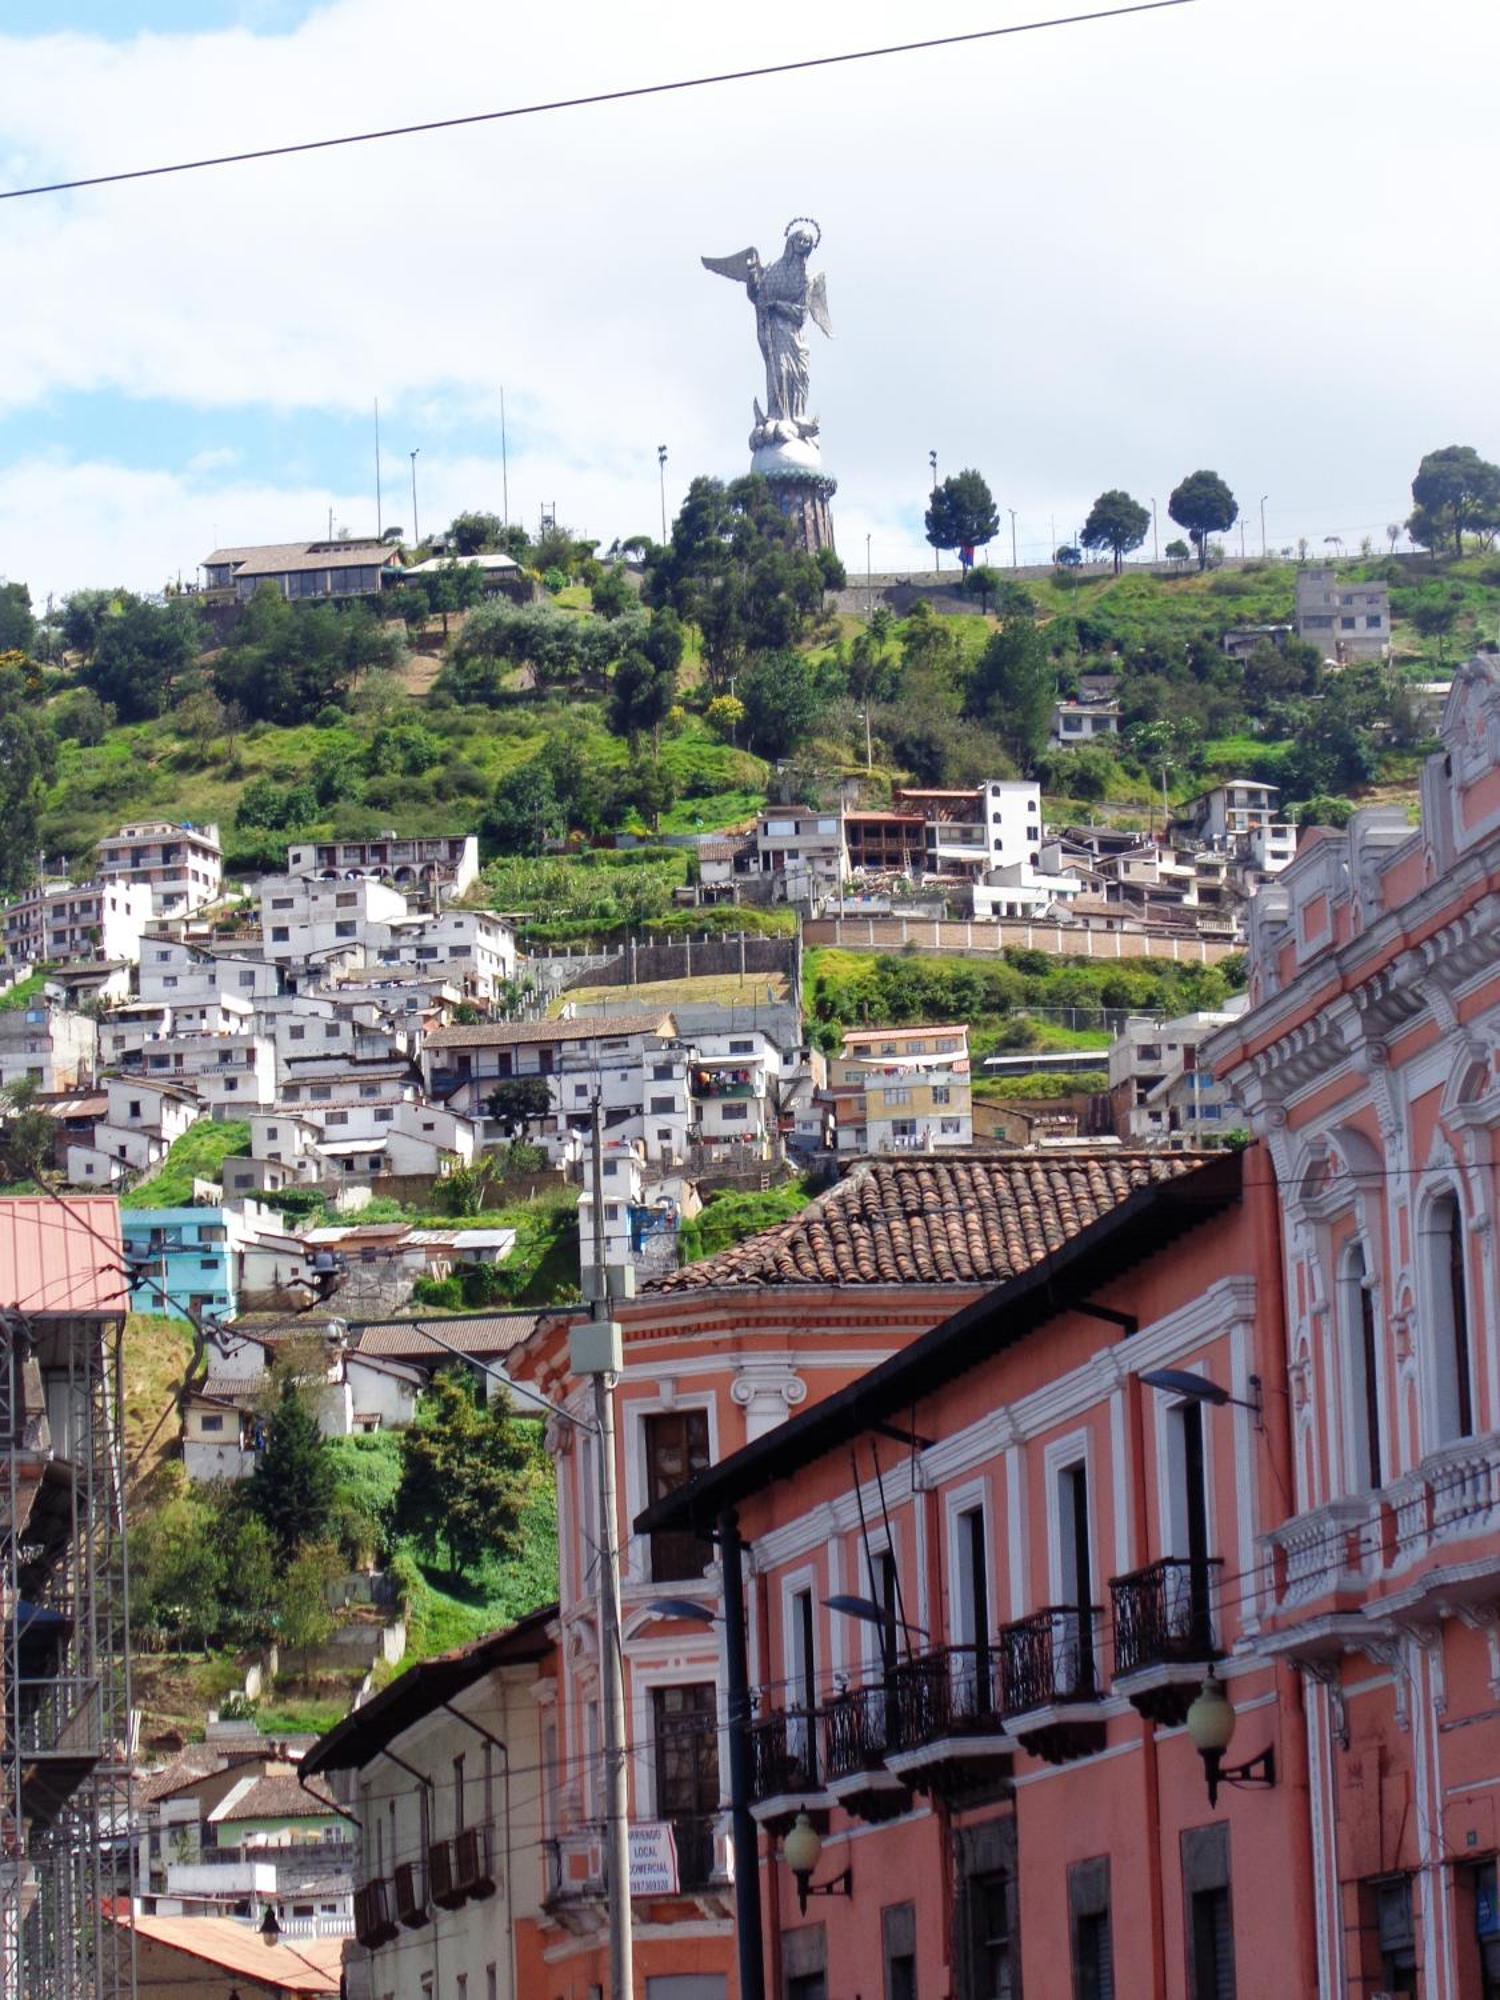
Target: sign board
653, 1858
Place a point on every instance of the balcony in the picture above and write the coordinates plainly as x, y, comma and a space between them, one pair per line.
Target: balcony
1049, 1689
411, 1895
784, 1776
474, 1862
1164, 1635
950, 1740
373, 1922
448, 1891
859, 1727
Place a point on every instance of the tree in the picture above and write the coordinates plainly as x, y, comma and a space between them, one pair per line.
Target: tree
725, 714
1117, 523
140, 654
465, 1469
982, 582
291, 1488
962, 514
1177, 551
304, 1617
28, 763
1204, 505
28, 1136
733, 570
1454, 489
1068, 557
471, 534
17, 626
1013, 687
284, 662
612, 594
781, 699
516, 1101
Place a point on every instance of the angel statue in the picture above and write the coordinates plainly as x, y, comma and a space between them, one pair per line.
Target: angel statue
784, 297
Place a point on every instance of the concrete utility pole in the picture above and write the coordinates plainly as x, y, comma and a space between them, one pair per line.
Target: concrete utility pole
596, 1349
1263, 499
661, 463
1013, 562
416, 532
937, 554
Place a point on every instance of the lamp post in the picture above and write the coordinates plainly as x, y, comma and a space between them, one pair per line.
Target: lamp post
802, 1850
1263, 499
1013, 562
937, 554
1154, 555
1210, 1727
661, 466
270, 1930
416, 532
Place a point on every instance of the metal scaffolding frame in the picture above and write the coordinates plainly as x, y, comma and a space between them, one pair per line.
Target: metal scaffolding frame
65, 1753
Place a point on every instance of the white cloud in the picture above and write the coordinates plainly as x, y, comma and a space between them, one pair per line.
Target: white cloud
1103, 255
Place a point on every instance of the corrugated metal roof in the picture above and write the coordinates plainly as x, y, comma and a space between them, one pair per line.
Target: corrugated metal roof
505, 1034
62, 1256
484, 1333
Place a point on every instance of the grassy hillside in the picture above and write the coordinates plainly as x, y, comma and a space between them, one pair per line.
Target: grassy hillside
198, 1155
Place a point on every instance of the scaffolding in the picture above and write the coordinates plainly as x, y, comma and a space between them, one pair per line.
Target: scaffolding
65, 1756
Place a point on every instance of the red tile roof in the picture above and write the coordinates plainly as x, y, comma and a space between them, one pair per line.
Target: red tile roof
63, 1256
969, 1219
293, 1965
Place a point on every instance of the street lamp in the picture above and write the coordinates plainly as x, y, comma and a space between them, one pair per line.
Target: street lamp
802, 1850
937, 554
682, 1607
270, 1930
1210, 1728
1263, 499
1198, 1388
661, 466
416, 532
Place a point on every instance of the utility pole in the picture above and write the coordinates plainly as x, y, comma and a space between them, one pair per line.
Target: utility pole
596, 1350
1013, 562
379, 516
937, 554
1263, 499
416, 532
869, 584
504, 464
661, 464
1155, 557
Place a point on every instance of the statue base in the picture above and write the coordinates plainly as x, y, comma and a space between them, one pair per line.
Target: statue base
793, 469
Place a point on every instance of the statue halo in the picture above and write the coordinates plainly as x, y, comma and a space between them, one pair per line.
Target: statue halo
817, 227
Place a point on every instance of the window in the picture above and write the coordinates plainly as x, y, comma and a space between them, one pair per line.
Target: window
1209, 1916
898, 1933
1481, 1884
211, 1423
676, 1447
662, 1107
1187, 1523
990, 1967
135, 1107
686, 1732
1088, 1916
1373, 621
1073, 1644
1389, 1935
802, 1694
459, 1821
1448, 1307
734, 1114
942, 1093
1362, 1372
971, 1614
900, 1095
741, 1048
346, 929
280, 934
1347, 624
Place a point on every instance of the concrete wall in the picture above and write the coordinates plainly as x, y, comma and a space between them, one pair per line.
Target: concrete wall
891, 933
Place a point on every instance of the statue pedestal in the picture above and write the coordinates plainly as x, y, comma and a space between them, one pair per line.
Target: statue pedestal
793, 468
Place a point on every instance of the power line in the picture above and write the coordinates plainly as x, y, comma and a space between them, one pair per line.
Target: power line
595, 97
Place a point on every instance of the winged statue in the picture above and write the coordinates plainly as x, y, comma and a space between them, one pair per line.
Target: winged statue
785, 298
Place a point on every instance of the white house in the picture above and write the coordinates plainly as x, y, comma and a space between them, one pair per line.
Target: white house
476, 949
181, 865
136, 1133
53, 1048
1076, 723
971, 832
444, 862
100, 921
179, 973
304, 919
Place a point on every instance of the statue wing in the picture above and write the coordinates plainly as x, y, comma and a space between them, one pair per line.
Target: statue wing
817, 304
742, 266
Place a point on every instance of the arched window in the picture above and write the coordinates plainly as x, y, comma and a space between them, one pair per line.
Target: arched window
1447, 1334
1362, 1375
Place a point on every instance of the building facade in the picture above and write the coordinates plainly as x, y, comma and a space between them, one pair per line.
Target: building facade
1345, 619
182, 866
902, 1090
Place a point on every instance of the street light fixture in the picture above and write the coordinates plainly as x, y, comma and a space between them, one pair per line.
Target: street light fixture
1182, 1382
1210, 1728
661, 466
937, 554
682, 1607
270, 1930
802, 1850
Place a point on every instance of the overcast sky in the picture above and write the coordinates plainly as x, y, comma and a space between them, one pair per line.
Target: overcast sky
1248, 234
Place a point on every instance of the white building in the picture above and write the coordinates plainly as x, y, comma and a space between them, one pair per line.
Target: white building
1158, 1092
304, 919
1021, 890
735, 1086
98, 921
902, 1090
1075, 723
475, 949
969, 833
1344, 619
186, 974
803, 849
53, 1048
143, 1119
182, 866
232, 1072
434, 862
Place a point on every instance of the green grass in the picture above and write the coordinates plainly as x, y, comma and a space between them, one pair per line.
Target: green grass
27, 994
313, 1717
445, 1611
198, 1155
729, 1216
1038, 1085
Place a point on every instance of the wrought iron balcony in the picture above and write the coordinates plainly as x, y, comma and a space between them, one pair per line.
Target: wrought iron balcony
1163, 1614
949, 1736
1164, 1634
784, 1756
1049, 1682
858, 1729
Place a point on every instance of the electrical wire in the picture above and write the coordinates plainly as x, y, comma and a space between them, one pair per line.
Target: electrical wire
623, 95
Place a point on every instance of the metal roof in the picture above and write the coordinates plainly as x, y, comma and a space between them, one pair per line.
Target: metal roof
62, 1255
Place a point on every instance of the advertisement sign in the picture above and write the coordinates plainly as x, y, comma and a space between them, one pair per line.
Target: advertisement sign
653, 1858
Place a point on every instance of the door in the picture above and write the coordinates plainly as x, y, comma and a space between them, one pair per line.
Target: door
686, 1737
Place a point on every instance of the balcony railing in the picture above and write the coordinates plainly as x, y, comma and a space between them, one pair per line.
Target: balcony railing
694, 1837
1162, 1614
374, 1924
474, 1861
1048, 1658
784, 1755
859, 1726
954, 1690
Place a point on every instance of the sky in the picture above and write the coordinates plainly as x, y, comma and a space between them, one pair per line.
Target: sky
1245, 234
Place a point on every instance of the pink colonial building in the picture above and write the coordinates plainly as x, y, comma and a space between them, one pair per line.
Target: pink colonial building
1370, 1063
717, 1359
984, 1584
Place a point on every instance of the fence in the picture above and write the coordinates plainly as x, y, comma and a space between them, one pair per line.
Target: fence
987, 939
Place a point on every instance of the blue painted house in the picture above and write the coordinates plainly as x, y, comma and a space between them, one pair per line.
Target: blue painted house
183, 1253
